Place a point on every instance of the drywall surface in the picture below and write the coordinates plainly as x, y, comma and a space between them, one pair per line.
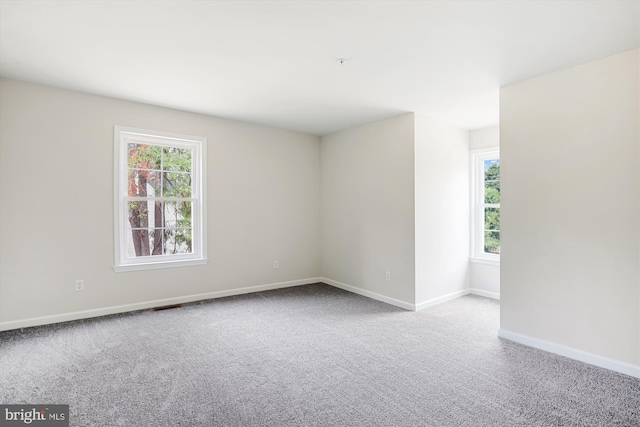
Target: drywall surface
56, 203
484, 138
485, 278
441, 209
570, 156
367, 219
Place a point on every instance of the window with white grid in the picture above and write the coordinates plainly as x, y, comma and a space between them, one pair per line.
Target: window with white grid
159, 200
485, 183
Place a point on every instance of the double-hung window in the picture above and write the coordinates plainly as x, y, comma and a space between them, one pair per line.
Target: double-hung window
485, 183
159, 199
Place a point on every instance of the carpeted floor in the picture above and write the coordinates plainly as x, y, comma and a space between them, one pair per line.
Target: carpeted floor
307, 356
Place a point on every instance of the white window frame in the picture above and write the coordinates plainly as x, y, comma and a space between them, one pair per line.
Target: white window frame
478, 158
123, 262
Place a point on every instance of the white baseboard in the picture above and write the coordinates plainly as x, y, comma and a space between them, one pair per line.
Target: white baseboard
440, 300
572, 353
487, 294
85, 314
369, 294
393, 301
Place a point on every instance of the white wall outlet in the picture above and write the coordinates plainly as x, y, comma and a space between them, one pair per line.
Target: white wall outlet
79, 285
388, 276
276, 264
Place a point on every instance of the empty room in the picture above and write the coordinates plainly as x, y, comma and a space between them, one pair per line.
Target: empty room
319, 213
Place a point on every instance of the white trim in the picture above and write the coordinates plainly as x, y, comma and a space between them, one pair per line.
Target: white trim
486, 261
440, 300
369, 294
160, 264
398, 303
198, 145
492, 295
86, 314
572, 353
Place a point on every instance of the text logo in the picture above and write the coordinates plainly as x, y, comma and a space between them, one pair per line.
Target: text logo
34, 415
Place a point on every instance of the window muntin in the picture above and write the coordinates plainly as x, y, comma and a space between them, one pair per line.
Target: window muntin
159, 200
486, 204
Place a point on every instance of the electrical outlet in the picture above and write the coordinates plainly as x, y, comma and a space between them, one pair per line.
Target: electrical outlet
79, 285
276, 264
388, 276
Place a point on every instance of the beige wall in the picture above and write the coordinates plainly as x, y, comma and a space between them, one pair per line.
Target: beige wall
270, 192
395, 197
56, 196
570, 150
367, 219
442, 210
488, 137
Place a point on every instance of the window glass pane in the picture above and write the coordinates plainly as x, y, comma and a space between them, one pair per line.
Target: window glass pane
177, 241
138, 244
156, 214
177, 214
145, 242
492, 169
492, 230
144, 156
492, 181
143, 183
138, 213
141, 215
492, 242
492, 218
176, 184
492, 192
159, 228
134, 235
176, 159
157, 242
171, 214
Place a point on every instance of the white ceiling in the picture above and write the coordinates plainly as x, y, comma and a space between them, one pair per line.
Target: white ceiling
274, 62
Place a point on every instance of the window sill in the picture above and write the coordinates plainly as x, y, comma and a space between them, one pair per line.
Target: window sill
156, 265
486, 261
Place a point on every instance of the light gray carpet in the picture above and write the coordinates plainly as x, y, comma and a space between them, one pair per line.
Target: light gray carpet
307, 356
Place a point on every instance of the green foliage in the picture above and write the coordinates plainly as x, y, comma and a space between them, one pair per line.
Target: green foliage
176, 159
492, 173
492, 219
492, 194
492, 242
492, 215
492, 184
